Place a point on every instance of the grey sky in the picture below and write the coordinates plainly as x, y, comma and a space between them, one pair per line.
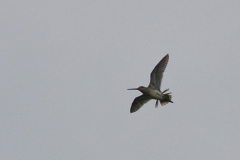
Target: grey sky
66, 65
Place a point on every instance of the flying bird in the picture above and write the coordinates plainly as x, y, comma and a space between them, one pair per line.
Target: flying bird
153, 90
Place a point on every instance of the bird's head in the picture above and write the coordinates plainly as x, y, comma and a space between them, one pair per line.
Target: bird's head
141, 88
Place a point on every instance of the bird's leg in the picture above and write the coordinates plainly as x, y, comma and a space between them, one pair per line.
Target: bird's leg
165, 90
156, 105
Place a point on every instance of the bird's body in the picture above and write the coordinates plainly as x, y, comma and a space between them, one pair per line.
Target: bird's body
154, 94
153, 90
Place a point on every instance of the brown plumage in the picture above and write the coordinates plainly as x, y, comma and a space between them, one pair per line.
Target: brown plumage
153, 90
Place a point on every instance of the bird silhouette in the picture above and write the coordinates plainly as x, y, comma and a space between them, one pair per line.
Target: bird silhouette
153, 90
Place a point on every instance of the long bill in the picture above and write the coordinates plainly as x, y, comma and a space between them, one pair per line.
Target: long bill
132, 89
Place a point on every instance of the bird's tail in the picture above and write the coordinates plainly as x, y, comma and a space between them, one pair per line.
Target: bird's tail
166, 99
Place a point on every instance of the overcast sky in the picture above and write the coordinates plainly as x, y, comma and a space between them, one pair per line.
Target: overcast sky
66, 66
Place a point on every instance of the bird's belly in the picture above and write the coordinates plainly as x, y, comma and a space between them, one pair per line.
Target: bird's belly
156, 94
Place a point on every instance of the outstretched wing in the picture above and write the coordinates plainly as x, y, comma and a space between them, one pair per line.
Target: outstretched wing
139, 102
157, 74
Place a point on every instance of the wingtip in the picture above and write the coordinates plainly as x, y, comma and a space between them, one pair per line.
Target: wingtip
166, 57
132, 111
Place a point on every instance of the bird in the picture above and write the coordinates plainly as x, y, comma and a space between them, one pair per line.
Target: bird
153, 90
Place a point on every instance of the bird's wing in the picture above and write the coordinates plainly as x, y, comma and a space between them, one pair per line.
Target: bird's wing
139, 102
157, 74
